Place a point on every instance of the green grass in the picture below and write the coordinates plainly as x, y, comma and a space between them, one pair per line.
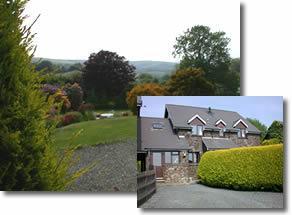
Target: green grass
96, 131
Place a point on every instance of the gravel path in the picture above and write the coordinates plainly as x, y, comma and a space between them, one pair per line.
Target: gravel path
115, 170
200, 196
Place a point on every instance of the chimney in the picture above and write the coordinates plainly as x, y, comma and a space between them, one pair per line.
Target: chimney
139, 105
209, 110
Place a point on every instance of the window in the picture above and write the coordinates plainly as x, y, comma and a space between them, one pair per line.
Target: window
167, 157
171, 157
174, 157
156, 158
194, 157
221, 132
197, 130
242, 133
200, 130
157, 125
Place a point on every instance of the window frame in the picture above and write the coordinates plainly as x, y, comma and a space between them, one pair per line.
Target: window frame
196, 129
242, 131
221, 132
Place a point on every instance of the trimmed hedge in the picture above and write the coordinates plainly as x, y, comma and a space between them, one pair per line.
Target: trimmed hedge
245, 168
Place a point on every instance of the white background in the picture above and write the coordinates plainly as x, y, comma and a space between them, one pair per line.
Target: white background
266, 52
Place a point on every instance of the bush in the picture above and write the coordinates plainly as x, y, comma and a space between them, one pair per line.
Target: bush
75, 95
89, 115
246, 168
86, 107
69, 118
271, 142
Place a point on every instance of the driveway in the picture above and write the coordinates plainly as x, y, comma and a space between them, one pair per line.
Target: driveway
200, 196
115, 169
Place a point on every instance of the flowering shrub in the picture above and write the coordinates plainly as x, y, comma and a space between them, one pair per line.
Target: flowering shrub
69, 118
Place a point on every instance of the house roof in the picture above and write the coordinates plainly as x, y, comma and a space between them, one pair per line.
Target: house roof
159, 137
179, 116
218, 143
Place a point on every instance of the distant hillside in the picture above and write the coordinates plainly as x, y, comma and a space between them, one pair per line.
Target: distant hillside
157, 68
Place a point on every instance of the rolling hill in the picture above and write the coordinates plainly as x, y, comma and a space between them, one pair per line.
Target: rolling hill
156, 68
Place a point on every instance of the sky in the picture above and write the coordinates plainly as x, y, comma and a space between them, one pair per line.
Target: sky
264, 108
136, 29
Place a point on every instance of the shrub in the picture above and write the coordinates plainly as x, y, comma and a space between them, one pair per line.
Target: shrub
89, 115
86, 107
27, 161
70, 117
246, 168
75, 95
272, 141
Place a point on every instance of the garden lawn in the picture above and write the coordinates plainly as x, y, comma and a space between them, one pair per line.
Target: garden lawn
96, 132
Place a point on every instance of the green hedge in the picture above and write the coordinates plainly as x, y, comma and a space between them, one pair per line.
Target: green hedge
245, 168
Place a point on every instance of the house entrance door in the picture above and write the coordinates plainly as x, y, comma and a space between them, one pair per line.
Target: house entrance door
157, 164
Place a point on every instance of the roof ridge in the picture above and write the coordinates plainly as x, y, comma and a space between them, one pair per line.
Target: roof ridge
201, 108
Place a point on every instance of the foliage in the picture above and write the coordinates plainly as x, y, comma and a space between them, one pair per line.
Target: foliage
245, 168
69, 118
198, 47
191, 82
149, 89
146, 78
275, 131
107, 76
272, 141
75, 95
86, 107
260, 126
27, 161
45, 66
97, 131
89, 115
235, 65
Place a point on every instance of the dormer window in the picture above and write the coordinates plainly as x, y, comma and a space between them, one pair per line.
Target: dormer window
197, 130
242, 128
241, 133
157, 125
221, 132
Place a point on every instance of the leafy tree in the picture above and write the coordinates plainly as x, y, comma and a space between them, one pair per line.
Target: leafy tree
191, 82
272, 141
262, 127
148, 89
201, 48
146, 78
76, 66
75, 95
45, 65
198, 47
107, 76
235, 65
275, 131
27, 161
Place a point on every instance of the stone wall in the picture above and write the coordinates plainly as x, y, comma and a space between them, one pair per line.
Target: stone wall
196, 141
251, 140
179, 173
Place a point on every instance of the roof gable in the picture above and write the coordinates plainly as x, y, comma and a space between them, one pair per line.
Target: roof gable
196, 117
220, 121
238, 122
